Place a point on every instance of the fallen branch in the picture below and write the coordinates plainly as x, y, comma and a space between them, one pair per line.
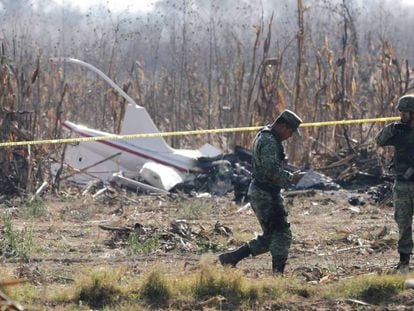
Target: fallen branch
358, 302
341, 162
39, 191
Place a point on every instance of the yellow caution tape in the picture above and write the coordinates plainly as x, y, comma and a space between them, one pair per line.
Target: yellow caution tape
328, 123
182, 133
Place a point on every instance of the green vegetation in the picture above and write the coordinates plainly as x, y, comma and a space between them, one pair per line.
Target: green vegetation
14, 243
136, 245
206, 245
35, 208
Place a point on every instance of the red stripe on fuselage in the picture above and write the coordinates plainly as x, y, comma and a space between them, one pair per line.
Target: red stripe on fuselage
133, 151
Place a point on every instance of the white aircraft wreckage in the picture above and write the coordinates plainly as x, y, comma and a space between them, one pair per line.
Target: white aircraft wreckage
150, 159
150, 163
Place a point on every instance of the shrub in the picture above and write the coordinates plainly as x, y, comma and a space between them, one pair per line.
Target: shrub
99, 290
155, 288
211, 282
372, 289
138, 246
36, 208
14, 243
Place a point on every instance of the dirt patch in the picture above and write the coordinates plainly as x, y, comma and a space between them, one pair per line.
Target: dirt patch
70, 233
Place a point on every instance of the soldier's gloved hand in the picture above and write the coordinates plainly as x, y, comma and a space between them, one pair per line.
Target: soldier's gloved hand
402, 127
296, 176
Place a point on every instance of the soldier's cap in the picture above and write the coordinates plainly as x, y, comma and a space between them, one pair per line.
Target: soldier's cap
292, 119
406, 103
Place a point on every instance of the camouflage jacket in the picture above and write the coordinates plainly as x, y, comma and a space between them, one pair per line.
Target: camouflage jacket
403, 141
269, 160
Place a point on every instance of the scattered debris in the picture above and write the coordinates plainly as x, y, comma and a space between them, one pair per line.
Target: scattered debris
409, 283
179, 235
159, 165
124, 232
357, 302
182, 228
310, 274
222, 230
244, 208
92, 186
134, 184
39, 191
316, 180
381, 194
356, 166
299, 193
356, 201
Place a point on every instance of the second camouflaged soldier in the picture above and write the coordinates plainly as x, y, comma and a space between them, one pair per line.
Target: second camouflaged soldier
269, 176
401, 136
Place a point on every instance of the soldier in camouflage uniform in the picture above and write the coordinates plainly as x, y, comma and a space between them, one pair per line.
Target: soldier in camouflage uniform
269, 176
401, 136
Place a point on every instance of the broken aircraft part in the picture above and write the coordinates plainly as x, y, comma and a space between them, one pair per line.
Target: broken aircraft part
134, 153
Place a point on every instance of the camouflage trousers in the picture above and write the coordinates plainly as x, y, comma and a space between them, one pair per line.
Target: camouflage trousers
270, 211
403, 193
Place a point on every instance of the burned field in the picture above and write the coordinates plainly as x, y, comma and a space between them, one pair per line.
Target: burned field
150, 241
91, 227
120, 250
138, 223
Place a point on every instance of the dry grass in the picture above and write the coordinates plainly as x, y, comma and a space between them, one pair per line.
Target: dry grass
374, 289
192, 208
156, 288
206, 285
96, 288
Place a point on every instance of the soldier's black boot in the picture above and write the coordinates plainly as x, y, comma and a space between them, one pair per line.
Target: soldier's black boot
404, 265
278, 267
233, 257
